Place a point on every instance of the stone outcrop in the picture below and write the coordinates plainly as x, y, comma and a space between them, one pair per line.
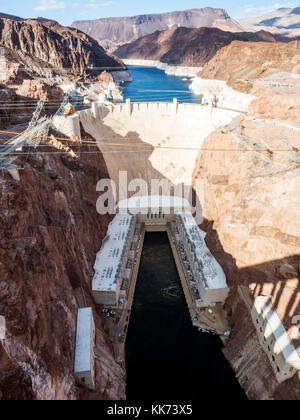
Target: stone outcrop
266, 72
63, 50
250, 179
40, 59
185, 46
251, 183
240, 64
50, 233
112, 32
15, 109
40, 89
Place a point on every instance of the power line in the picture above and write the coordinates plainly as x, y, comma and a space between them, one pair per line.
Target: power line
152, 147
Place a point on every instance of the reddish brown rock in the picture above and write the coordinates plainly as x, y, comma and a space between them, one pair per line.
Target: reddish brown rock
40, 89
185, 46
50, 233
56, 49
251, 180
241, 63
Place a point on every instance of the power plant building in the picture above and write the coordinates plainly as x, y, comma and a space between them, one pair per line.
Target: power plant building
208, 273
84, 350
111, 260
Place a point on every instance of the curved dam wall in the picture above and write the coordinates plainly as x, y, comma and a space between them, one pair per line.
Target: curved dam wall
153, 140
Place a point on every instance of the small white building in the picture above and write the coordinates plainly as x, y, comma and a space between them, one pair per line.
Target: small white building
274, 339
3, 66
112, 259
208, 273
84, 350
2, 328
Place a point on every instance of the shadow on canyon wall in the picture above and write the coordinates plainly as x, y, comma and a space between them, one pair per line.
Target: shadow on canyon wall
270, 278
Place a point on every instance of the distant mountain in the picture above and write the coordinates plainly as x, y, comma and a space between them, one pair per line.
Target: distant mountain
4, 15
112, 32
283, 23
185, 46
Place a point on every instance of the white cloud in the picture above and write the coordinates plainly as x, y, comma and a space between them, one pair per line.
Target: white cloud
45, 5
253, 10
95, 5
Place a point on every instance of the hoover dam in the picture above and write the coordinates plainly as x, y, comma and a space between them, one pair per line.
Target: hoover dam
151, 150
171, 222
150, 140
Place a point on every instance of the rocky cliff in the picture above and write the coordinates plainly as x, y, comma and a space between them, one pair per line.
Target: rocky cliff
40, 59
242, 64
251, 183
115, 31
50, 233
185, 46
46, 48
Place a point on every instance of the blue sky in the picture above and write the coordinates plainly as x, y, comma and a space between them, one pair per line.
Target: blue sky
66, 11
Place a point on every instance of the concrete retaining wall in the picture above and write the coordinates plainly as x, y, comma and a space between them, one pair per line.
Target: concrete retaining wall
225, 97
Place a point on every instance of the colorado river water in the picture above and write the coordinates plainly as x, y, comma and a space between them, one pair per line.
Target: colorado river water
154, 85
167, 358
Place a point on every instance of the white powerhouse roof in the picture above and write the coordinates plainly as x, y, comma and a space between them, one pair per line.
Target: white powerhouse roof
83, 340
214, 277
154, 202
109, 258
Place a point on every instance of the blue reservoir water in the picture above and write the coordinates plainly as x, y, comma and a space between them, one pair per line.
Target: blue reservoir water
154, 85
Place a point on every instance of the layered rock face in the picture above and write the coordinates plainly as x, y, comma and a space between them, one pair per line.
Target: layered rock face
251, 183
40, 59
66, 50
112, 32
240, 64
284, 23
50, 233
184, 46
266, 72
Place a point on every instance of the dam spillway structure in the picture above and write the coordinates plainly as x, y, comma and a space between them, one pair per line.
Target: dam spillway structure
117, 264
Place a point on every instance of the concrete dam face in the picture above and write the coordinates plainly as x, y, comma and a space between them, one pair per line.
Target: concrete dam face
153, 140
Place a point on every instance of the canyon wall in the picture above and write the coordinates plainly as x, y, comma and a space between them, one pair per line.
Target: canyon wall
242, 72
50, 234
40, 59
251, 183
53, 48
192, 47
251, 207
